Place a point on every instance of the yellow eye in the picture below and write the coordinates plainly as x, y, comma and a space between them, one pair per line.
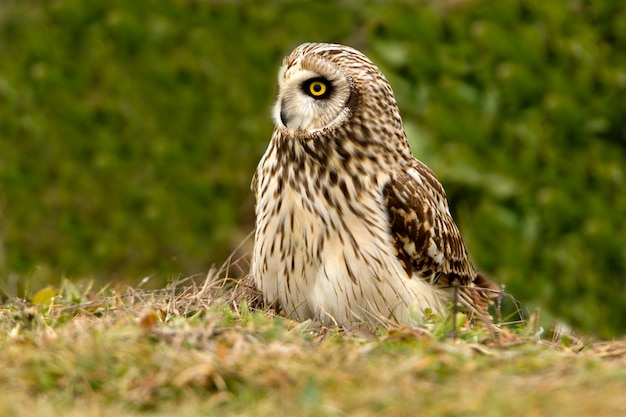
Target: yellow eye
317, 88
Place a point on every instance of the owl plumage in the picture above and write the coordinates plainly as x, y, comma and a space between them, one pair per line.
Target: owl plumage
350, 227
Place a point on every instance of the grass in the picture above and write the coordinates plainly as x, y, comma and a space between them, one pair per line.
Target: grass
193, 349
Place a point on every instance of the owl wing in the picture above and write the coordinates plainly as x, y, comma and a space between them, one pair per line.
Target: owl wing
424, 235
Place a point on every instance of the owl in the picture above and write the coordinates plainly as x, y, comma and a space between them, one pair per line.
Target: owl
350, 227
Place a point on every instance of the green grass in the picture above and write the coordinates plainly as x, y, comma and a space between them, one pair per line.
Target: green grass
185, 351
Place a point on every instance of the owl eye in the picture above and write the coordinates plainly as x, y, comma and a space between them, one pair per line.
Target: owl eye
317, 87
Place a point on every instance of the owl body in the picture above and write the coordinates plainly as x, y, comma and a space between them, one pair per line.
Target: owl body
350, 227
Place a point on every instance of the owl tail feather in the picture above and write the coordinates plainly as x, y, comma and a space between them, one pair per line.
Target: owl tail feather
484, 293
488, 288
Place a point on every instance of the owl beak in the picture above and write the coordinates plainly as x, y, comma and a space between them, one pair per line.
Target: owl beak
283, 114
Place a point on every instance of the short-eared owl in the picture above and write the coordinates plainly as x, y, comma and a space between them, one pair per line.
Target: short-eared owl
350, 227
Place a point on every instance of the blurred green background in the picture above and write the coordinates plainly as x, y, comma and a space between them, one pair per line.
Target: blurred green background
130, 130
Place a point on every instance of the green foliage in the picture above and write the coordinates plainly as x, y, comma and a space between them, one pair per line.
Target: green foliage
129, 131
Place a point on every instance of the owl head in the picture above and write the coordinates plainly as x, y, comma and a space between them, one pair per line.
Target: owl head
323, 87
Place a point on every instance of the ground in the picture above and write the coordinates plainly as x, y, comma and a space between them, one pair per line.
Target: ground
192, 349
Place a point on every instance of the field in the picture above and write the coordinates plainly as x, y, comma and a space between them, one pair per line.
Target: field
194, 350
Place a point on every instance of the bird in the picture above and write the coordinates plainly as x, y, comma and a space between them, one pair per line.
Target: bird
350, 227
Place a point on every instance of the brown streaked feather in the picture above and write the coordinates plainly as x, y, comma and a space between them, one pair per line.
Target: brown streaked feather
424, 234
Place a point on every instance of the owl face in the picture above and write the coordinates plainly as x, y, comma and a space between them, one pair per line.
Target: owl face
313, 93
330, 91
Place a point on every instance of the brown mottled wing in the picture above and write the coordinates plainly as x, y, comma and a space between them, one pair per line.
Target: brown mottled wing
424, 234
